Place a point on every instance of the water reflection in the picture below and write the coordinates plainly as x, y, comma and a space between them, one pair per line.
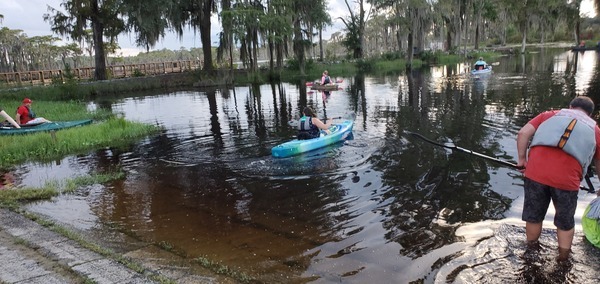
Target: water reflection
380, 208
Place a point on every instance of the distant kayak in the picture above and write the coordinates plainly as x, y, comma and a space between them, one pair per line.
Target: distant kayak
318, 82
331, 87
339, 132
486, 70
41, 127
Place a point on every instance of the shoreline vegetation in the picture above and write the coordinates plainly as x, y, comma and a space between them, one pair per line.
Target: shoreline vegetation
60, 102
68, 101
72, 89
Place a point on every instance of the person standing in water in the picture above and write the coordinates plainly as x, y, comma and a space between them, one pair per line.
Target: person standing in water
555, 149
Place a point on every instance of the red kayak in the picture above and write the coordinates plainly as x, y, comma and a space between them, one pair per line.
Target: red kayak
308, 84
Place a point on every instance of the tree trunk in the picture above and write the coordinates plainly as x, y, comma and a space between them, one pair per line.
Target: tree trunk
255, 50
543, 32
459, 37
279, 52
409, 51
466, 26
299, 47
524, 41
477, 21
399, 39
361, 31
577, 32
271, 57
205, 35
448, 36
321, 43
98, 35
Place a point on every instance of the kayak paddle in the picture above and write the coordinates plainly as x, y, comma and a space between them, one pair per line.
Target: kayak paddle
590, 187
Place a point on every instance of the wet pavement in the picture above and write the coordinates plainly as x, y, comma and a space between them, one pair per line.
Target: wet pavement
32, 253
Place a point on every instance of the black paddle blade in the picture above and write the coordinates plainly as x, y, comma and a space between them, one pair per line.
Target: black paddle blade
428, 140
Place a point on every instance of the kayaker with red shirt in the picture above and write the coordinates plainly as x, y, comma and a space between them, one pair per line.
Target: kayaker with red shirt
26, 116
563, 144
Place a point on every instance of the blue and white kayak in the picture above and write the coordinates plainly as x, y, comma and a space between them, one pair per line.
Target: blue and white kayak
486, 70
339, 132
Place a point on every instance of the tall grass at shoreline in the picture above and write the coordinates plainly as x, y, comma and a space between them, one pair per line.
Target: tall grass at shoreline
115, 132
57, 110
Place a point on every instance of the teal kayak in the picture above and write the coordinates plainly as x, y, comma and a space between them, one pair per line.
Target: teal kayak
339, 132
47, 126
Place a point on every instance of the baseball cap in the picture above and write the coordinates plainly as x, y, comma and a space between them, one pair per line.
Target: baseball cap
27, 101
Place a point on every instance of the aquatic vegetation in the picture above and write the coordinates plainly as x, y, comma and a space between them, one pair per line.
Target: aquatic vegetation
12, 197
223, 269
47, 146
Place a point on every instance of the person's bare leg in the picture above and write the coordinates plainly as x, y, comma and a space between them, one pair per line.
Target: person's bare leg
565, 239
533, 231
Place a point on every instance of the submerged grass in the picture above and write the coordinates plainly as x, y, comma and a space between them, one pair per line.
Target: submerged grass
12, 197
46, 146
223, 270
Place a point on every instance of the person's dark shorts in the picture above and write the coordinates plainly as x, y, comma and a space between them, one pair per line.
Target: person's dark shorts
537, 200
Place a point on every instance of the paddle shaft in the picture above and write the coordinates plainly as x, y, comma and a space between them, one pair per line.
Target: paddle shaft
293, 122
590, 187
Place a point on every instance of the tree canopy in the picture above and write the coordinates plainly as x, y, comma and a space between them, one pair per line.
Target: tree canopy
252, 30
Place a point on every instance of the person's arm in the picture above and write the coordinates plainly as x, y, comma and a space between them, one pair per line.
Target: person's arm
18, 118
318, 123
10, 119
523, 138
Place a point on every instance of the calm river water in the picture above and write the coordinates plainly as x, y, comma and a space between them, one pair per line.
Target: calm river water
382, 207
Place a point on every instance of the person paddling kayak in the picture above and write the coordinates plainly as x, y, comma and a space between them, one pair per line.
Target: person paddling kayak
309, 126
325, 79
26, 116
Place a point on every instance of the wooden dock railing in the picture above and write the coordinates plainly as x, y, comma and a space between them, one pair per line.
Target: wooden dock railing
45, 77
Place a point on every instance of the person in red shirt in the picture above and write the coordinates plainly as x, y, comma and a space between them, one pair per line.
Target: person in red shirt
562, 144
26, 116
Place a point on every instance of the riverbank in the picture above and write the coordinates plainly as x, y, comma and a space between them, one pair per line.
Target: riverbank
32, 253
164, 193
73, 89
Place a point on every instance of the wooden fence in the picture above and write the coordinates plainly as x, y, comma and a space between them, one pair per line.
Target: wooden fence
45, 77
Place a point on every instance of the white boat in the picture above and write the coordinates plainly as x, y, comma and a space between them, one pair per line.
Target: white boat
486, 70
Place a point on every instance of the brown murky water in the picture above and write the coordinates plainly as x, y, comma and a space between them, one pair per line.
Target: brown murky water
382, 207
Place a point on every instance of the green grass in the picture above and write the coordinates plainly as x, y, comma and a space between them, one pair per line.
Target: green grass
12, 197
223, 270
115, 132
56, 110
